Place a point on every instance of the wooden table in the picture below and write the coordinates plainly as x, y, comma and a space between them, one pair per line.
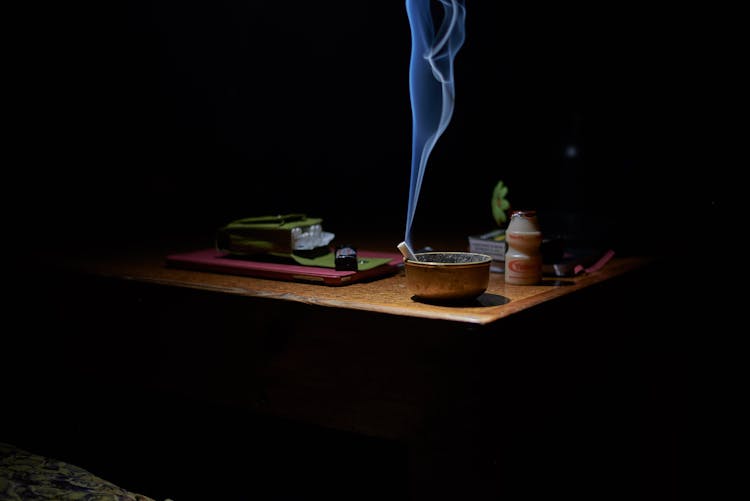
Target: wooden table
386, 295
543, 390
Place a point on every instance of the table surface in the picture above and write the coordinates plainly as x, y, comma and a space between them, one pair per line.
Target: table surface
387, 295
454, 400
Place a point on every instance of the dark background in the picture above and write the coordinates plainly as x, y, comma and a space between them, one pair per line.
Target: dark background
141, 119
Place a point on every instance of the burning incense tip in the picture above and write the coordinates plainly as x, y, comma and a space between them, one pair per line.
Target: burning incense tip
406, 251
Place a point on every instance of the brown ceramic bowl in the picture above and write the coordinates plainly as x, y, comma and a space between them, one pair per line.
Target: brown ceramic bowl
447, 276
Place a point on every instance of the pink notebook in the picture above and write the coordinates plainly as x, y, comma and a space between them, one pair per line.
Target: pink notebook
219, 262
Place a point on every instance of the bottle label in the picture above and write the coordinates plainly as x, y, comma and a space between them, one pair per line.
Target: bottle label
524, 266
523, 270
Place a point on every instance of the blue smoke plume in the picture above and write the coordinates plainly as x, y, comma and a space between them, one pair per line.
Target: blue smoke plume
430, 83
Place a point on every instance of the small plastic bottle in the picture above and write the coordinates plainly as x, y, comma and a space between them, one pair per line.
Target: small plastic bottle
523, 258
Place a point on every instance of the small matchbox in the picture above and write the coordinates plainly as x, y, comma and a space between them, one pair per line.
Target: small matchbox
492, 244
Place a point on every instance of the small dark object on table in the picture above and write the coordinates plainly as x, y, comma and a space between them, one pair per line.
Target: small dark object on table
346, 258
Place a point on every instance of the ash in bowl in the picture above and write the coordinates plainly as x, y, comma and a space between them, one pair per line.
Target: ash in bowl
451, 257
447, 276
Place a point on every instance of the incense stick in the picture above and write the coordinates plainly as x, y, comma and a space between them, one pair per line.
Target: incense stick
406, 251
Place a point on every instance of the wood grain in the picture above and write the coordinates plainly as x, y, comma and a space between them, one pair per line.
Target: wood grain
386, 295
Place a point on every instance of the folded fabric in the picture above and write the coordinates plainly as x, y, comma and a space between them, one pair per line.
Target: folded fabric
275, 235
287, 238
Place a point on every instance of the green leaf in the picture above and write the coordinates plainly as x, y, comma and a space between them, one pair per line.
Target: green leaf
500, 203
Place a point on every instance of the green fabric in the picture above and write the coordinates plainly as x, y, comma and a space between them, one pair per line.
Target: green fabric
262, 234
269, 237
329, 261
282, 222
